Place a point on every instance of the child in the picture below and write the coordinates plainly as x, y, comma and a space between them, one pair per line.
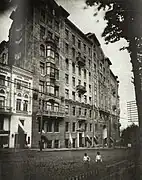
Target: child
86, 158
98, 157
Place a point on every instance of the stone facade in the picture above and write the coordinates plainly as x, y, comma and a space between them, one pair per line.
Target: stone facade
71, 76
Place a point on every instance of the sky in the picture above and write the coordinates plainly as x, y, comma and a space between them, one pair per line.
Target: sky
86, 22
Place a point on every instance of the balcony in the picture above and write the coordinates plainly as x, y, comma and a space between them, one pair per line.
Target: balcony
5, 110
81, 61
82, 118
81, 89
52, 113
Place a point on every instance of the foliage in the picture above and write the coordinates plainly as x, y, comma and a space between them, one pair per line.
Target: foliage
129, 135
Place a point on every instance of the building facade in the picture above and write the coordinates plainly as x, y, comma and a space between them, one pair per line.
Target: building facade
71, 99
15, 104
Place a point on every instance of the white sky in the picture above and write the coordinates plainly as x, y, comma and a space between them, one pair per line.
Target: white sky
86, 22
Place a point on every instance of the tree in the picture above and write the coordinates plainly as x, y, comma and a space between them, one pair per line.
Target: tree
129, 135
124, 21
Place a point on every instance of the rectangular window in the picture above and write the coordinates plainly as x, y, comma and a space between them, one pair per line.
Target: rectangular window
73, 81
73, 111
56, 126
67, 64
73, 53
2, 80
42, 32
42, 68
18, 84
95, 67
56, 91
57, 74
41, 86
85, 84
73, 96
73, 39
49, 126
2, 102
67, 126
89, 63
73, 126
89, 50
56, 143
79, 71
66, 48
66, 34
85, 112
79, 82
79, 112
85, 98
66, 93
90, 113
18, 105
90, 127
66, 143
73, 68
79, 97
84, 73
25, 105
67, 78
89, 76
90, 100
67, 109
89, 88
73, 144
79, 44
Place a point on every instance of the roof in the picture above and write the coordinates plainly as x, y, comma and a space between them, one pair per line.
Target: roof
115, 77
93, 36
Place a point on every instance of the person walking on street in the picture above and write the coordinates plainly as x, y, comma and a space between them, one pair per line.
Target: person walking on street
98, 157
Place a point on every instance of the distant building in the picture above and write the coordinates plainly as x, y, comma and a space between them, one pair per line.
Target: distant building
72, 80
15, 103
132, 111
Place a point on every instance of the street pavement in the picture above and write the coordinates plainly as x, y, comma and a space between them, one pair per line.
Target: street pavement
49, 165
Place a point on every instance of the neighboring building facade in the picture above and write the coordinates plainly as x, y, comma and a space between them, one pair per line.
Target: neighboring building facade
15, 104
71, 76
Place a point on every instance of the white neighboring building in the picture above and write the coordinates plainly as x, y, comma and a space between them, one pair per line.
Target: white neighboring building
15, 107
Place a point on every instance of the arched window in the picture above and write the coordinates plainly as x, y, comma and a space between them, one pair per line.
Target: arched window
2, 91
42, 50
19, 94
26, 96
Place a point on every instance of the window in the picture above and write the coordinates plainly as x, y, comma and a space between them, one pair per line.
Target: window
66, 143
42, 15
2, 102
2, 80
84, 73
73, 53
85, 112
42, 68
4, 59
90, 113
73, 96
73, 68
79, 71
89, 88
90, 100
18, 105
8, 81
66, 48
73, 111
73, 126
85, 84
49, 35
73, 81
85, 127
100, 66
89, 63
67, 126
42, 50
67, 78
56, 91
25, 105
66, 93
79, 82
66, 34
56, 126
79, 44
41, 86
79, 112
95, 67
57, 59
79, 97
56, 26
67, 109
42, 32
56, 144
79, 124
85, 98
57, 40
73, 144
73, 39
18, 84
56, 107
89, 76
84, 47
90, 127
50, 52
67, 64
49, 126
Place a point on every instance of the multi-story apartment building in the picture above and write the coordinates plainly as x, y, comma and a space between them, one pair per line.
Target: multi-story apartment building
71, 76
15, 103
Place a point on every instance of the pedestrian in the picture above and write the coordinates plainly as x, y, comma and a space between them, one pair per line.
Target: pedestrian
98, 157
86, 158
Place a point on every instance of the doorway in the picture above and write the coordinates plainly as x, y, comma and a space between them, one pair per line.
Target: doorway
80, 139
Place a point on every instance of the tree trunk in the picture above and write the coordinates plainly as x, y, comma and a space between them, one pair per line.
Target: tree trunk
138, 93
